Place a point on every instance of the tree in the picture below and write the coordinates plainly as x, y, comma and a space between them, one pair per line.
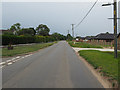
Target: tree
15, 28
58, 36
107, 32
27, 31
69, 37
17, 25
42, 30
34, 31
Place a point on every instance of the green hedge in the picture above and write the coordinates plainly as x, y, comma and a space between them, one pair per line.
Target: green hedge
14, 39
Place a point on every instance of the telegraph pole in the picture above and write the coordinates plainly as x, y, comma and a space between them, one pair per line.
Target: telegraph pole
115, 28
115, 25
73, 30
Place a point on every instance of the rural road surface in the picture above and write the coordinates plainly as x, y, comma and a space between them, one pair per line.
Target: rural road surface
54, 67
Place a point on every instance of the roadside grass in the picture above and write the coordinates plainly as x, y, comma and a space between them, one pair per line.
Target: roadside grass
107, 46
104, 61
24, 49
83, 45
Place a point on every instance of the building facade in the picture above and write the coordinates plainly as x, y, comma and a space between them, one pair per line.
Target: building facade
104, 39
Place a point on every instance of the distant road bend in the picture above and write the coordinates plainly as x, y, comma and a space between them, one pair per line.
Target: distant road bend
56, 66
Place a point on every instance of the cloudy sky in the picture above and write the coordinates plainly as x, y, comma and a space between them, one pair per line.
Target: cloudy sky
59, 16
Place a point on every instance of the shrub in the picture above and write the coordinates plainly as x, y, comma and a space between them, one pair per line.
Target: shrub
14, 39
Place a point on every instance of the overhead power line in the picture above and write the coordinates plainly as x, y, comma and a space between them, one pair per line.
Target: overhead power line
86, 14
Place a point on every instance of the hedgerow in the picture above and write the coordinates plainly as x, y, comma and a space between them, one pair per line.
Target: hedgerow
14, 39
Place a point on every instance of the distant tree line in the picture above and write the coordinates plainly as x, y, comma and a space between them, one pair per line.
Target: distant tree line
18, 35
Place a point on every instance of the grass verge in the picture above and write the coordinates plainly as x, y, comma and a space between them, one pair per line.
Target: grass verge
103, 61
83, 45
24, 49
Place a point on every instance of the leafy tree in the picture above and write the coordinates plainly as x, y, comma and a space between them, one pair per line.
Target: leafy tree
58, 36
42, 30
27, 31
69, 37
17, 25
34, 31
107, 32
15, 28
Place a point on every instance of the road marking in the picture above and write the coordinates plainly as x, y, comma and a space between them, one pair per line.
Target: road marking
26, 56
13, 60
2, 63
9, 63
17, 57
22, 57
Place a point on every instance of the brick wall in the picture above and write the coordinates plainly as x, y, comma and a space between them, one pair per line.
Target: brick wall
102, 43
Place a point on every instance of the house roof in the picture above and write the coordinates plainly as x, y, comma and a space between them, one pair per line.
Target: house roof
105, 36
82, 37
90, 37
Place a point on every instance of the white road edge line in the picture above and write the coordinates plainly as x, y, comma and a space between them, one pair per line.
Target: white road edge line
13, 60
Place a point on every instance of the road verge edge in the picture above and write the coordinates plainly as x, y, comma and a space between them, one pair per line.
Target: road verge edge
105, 83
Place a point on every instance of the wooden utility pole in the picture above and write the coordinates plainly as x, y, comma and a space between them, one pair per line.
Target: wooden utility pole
115, 28
115, 25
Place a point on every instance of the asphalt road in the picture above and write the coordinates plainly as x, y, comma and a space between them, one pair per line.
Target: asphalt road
54, 67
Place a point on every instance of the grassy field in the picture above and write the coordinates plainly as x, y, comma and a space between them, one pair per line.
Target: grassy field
83, 45
24, 49
104, 61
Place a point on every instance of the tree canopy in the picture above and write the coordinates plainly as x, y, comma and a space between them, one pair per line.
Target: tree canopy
58, 36
27, 31
42, 30
15, 28
69, 37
